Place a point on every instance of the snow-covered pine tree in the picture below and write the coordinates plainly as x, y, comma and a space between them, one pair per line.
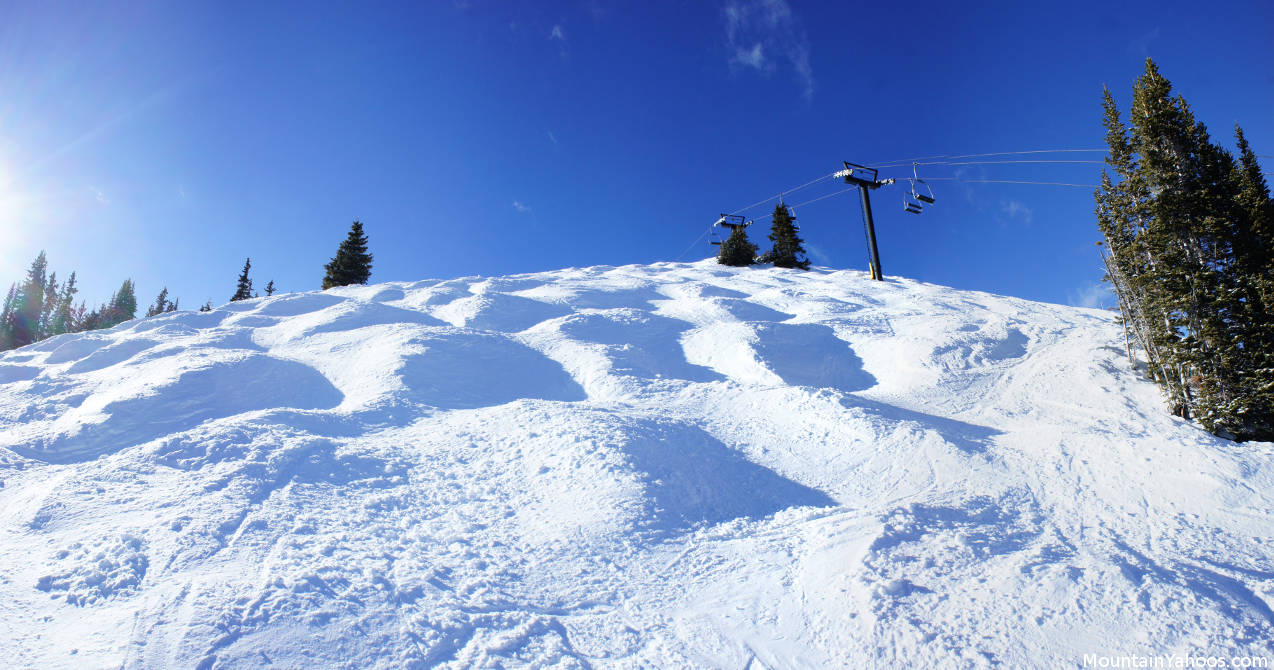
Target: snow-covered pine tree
736, 250
352, 263
243, 290
788, 249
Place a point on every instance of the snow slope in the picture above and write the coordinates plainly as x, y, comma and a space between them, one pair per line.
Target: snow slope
674, 465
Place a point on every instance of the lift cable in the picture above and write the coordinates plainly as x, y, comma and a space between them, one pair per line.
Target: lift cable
999, 162
909, 161
1004, 181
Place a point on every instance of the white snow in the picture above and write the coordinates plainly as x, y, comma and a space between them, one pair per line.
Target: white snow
673, 465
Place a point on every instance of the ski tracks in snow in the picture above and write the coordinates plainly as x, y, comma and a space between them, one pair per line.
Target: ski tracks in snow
668, 465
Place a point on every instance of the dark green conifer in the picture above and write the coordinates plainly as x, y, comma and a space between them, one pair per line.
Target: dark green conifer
788, 249
28, 303
352, 263
269, 288
121, 307
1183, 225
736, 250
63, 314
6, 319
161, 305
243, 290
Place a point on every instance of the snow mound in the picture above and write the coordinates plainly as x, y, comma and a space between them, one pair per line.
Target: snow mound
673, 465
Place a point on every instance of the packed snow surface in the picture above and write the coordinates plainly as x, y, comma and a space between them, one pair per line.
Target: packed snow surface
673, 465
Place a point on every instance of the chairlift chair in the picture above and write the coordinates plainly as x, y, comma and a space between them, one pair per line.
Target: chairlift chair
715, 239
922, 197
730, 221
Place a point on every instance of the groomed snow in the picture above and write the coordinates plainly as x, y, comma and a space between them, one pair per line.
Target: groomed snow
673, 465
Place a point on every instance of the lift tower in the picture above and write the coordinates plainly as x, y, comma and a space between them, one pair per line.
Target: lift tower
866, 179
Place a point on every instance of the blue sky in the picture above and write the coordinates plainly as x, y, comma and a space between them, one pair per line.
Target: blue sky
166, 142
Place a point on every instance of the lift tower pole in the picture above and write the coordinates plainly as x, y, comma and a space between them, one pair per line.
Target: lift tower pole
865, 185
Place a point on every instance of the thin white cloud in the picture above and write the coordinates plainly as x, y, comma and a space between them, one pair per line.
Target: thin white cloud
521, 208
1141, 45
1093, 295
99, 195
1017, 211
754, 57
817, 254
557, 33
763, 34
552, 138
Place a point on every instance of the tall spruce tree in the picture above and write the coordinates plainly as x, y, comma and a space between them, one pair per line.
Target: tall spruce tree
352, 263
28, 304
49, 309
121, 307
243, 290
63, 314
736, 250
161, 304
1182, 225
6, 319
788, 249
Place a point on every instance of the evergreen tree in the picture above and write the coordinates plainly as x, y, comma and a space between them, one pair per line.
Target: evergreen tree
352, 263
63, 314
788, 250
121, 307
1189, 259
49, 309
6, 319
78, 315
161, 305
269, 288
243, 290
736, 250
206, 307
94, 320
28, 303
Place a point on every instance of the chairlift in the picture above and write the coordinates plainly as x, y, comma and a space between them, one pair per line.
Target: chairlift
922, 197
730, 221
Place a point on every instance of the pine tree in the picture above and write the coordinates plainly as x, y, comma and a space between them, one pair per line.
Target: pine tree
269, 288
1183, 228
243, 290
63, 321
49, 309
121, 307
206, 307
28, 302
352, 263
6, 319
736, 250
161, 305
788, 249
93, 321
78, 316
